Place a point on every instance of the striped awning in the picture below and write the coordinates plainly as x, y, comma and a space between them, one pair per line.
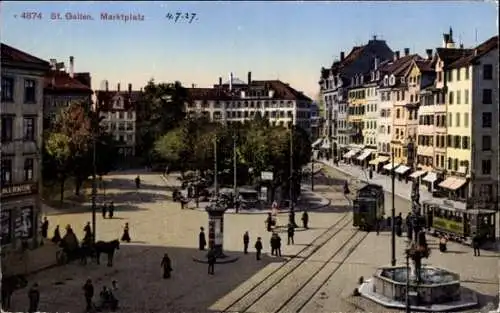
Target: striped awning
366, 153
453, 183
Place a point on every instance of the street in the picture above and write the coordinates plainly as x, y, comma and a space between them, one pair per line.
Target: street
316, 274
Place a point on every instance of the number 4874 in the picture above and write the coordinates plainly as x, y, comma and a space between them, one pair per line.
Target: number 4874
31, 15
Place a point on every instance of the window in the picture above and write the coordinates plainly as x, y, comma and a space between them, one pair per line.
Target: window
466, 73
457, 119
458, 73
398, 113
130, 115
466, 119
28, 169
7, 128
487, 120
465, 142
466, 96
486, 167
487, 96
130, 138
450, 120
449, 76
29, 91
6, 175
7, 89
487, 72
121, 115
29, 128
450, 97
130, 126
486, 143
459, 94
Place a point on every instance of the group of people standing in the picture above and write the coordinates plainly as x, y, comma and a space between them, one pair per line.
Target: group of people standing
107, 297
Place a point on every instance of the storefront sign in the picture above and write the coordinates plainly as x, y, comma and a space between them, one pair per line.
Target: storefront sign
23, 224
5, 223
18, 190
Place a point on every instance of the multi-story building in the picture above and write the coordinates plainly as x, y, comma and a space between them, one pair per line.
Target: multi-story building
237, 101
471, 155
117, 108
62, 88
334, 84
21, 142
316, 121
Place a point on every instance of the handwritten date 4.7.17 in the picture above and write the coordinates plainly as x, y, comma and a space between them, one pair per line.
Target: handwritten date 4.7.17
179, 17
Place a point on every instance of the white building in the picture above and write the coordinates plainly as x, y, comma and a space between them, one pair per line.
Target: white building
237, 101
21, 142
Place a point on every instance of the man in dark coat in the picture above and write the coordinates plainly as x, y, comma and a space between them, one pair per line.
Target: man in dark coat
137, 182
111, 209
45, 227
246, 241
291, 233
212, 258
166, 264
278, 245
258, 248
476, 243
409, 221
399, 225
104, 210
269, 222
202, 242
88, 290
34, 298
305, 219
274, 244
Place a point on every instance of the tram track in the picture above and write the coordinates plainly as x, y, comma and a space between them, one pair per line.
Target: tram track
254, 293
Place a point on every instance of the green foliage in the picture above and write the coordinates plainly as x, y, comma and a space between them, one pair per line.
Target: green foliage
57, 146
171, 145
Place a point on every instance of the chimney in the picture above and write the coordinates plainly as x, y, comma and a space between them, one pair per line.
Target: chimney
107, 85
118, 87
407, 52
375, 63
53, 63
231, 81
374, 37
193, 85
220, 81
396, 55
129, 88
461, 46
249, 78
342, 56
446, 38
71, 66
429, 54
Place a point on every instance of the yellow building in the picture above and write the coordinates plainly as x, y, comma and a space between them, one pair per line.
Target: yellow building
357, 101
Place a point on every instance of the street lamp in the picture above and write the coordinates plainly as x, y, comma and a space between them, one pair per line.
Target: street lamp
235, 186
95, 126
393, 213
292, 210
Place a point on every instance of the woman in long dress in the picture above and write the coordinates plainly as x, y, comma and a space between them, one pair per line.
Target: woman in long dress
126, 233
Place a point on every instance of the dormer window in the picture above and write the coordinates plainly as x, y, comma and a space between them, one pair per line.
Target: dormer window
118, 103
372, 76
402, 80
386, 81
362, 79
378, 75
392, 80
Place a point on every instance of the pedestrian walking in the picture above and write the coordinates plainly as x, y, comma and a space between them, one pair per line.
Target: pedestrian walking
111, 209
273, 242
34, 298
88, 291
137, 182
399, 225
57, 235
278, 245
212, 258
305, 220
202, 241
104, 210
378, 221
409, 226
166, 265
246, 241
258, 248
290, 233
476, 243
126, 233
45, 227
269, 222
88, 233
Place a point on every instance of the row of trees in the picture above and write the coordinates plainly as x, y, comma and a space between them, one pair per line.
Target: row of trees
68, 148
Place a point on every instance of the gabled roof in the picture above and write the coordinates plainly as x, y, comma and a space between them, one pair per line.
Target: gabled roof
105, 100
62, 81
12, 56
450, 55
399, 68
476, 53
425, 65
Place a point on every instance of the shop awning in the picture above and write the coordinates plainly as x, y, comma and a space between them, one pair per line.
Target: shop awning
317, 142
462, 169
453, 183
402, 169
379, 159
350, 154
417, 174
389, 166
431, 177
326, 144
366, 153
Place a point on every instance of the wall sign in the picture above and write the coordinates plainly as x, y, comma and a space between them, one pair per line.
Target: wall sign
6, 227
23, 224
18, 190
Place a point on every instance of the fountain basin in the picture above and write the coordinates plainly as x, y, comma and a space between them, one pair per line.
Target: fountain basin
438, 291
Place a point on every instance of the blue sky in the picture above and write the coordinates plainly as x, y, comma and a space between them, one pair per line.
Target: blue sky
285, 40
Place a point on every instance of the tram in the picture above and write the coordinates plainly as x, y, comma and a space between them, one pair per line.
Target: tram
459, 224
368, 206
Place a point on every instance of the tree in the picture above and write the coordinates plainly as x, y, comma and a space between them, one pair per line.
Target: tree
161, 109
171, 146
57, 146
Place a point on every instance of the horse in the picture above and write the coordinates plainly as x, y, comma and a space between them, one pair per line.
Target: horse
107, 247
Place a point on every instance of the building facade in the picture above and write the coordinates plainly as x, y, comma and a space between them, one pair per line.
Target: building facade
118, 110
61, 88
21, 142
238, 101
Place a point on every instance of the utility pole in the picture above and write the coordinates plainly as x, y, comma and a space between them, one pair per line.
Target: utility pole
312, 173
216, 185
94, 176
292, 209
235, 186
408, 308
393, 213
